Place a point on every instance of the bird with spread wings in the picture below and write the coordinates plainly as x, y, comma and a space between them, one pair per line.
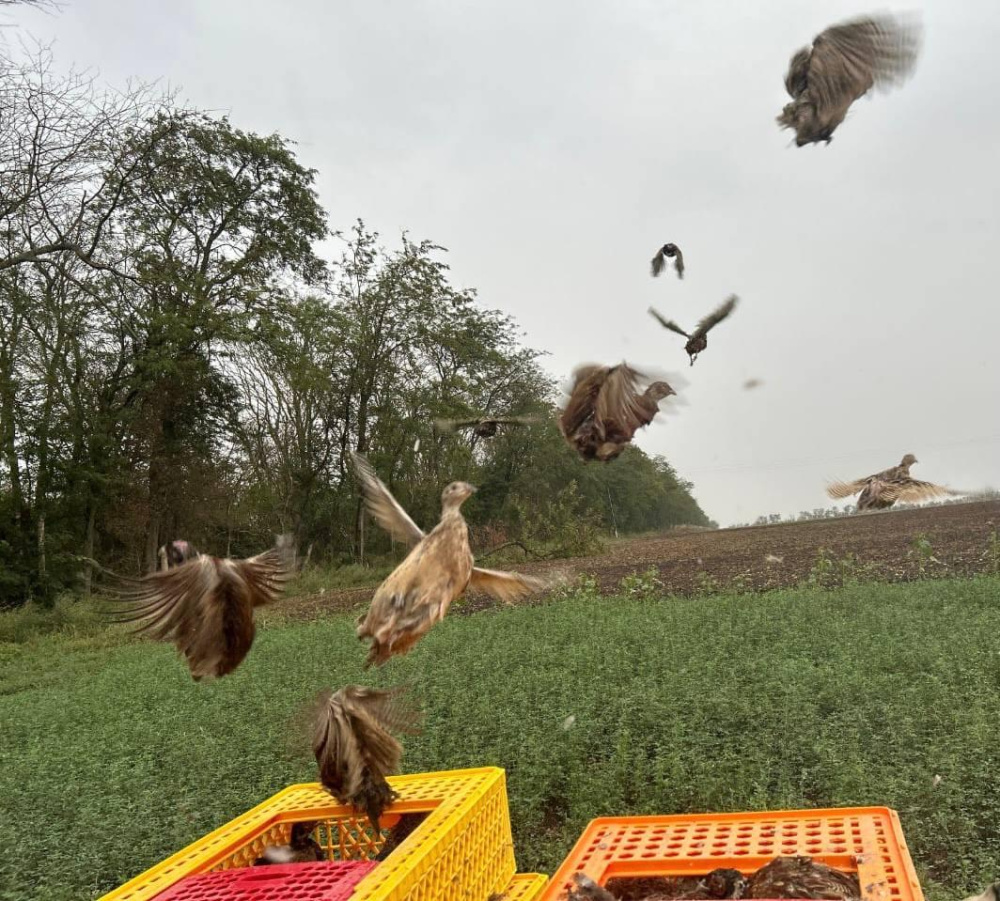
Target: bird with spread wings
205, 604
844, 63
883, 489
483, 427
438, 569
605, 408
698, 339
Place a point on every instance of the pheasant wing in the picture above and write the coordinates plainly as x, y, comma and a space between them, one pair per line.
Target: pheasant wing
716, 316
266, 574
507, 587
383, 506
668, 323
620, 402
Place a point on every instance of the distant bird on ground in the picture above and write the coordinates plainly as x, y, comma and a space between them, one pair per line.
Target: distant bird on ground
585, 889
883, 489
803, 877
355, 748
301, 847
407, 824
659, 261
205, 605
844, 63
991, 894
606, 407
174, 553
439, 569
721, 883
698, 339
483, 428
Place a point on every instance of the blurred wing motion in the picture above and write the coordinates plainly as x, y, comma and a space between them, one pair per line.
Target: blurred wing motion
380, 503
587, 382
451, 425
845, 62
913, 491
620, 399
668, 323
355, 749
508, 587
838, 490
205, 606
716, 316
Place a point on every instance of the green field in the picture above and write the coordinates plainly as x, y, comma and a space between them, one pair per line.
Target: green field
111, 757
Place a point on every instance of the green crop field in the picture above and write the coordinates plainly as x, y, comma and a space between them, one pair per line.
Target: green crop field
111, 757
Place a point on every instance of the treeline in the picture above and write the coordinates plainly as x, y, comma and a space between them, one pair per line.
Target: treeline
176, 359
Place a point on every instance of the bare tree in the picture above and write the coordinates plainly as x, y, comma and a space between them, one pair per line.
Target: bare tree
67, 156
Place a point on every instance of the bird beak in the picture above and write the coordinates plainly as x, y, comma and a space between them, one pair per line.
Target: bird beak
473, 489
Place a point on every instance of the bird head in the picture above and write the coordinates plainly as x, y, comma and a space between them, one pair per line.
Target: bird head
177, 552
456, 493
659, 390
670, 250
909, 460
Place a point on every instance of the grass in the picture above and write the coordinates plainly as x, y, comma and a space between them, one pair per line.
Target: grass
111, 758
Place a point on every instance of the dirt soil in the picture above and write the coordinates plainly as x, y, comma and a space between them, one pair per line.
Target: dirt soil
762, 557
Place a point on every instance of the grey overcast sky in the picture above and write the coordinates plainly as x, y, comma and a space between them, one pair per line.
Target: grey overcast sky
552, 146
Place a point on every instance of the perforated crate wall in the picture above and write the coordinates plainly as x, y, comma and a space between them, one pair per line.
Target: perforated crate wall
525, 887
865, 840
326, 881
462, 851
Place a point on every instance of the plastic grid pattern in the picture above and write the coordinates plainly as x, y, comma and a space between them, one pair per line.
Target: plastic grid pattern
327, 881
865, 840
525, 887
462, 851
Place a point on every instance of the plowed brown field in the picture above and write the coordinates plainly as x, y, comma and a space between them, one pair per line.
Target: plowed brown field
764, 557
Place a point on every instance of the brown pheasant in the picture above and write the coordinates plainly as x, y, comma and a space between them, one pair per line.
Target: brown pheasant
355, 749
883, 489
844, 63
698, 339
205, 605
417, 594
606, 408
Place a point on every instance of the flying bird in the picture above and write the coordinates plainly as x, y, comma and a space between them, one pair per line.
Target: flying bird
659, 261
803, 877
750, 384
698, 339
606, 407
301, 847
355, 748
883, 489
438, 569
483, 428
844, 63
205, 605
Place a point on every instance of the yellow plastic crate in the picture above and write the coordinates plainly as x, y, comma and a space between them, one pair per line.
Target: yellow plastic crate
524, 887
462, 851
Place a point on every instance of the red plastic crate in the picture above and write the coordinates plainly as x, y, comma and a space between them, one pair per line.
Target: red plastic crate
328, 880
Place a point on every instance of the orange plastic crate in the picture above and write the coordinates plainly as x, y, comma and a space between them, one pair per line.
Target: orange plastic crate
462, 850
865, 840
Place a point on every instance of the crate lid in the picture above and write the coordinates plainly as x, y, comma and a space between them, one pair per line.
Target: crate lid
328, 880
